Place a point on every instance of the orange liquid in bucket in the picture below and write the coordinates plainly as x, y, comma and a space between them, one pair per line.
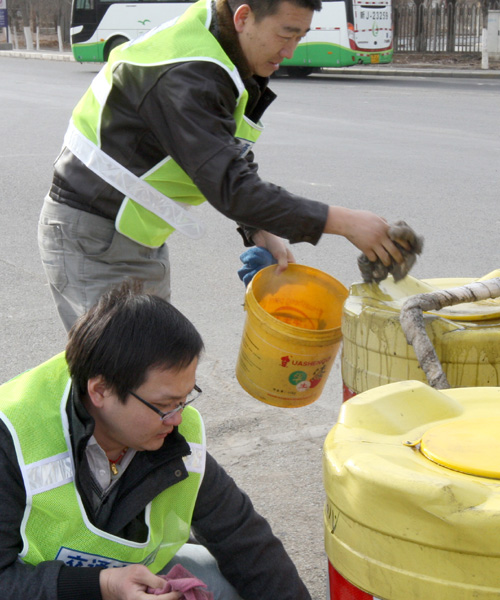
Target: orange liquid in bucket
291, 335
292, 316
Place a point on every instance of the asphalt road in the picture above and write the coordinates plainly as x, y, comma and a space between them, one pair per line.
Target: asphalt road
423, 149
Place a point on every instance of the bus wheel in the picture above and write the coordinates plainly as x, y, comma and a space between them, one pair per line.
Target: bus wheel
299, 72
113, 44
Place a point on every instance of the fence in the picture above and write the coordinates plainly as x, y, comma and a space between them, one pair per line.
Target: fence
439, 27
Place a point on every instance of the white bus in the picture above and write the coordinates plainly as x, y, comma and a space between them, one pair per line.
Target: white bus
343, 33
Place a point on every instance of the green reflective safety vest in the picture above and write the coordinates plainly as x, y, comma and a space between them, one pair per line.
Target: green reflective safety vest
183, 39
55, 525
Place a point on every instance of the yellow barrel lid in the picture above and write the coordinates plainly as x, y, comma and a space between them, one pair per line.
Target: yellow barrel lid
469, 446
394, 294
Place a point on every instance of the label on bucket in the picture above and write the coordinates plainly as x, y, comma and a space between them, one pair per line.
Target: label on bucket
281, 374
341, 589
292, 335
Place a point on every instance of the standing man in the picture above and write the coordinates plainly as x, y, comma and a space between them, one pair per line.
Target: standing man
103, 464
170, 121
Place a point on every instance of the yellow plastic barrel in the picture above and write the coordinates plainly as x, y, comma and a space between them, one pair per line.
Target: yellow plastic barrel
412, 481
375, 352
291, 334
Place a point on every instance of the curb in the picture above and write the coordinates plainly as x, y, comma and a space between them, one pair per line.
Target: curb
65, 56
389, 71
392, 71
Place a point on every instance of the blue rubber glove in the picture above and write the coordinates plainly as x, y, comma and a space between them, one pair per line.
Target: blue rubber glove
254, 259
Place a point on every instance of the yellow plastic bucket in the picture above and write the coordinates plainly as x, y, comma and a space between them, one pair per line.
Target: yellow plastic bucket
375, 352
412, 481
291, 335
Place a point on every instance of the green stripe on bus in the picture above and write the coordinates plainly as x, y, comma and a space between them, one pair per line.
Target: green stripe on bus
332, 55
93, 52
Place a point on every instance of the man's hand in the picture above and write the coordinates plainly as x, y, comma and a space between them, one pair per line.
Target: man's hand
367, 231
377, 272
276, 246
131, 583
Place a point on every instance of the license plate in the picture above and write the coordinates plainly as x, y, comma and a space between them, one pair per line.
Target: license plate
375, 58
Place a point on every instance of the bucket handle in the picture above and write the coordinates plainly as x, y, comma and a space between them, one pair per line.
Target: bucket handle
412, 322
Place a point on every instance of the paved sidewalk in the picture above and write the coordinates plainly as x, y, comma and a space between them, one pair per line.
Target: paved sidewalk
391, 70
39, 54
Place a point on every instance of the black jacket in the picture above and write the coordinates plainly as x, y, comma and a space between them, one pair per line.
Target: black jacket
224, 521
185, 110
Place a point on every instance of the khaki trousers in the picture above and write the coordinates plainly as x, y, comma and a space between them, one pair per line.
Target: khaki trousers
83, 256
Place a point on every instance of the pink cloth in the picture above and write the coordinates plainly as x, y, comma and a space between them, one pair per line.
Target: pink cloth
179, 579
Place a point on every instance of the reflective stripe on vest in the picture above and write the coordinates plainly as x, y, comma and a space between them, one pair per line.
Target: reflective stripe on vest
55, 525
186, 38
130, 185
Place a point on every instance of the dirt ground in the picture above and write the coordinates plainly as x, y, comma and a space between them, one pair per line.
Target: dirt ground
459, 60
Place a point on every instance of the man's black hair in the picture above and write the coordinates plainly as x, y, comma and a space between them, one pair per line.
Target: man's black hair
265, 8
127, 333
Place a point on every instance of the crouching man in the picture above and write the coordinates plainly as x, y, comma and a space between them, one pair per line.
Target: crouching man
103, 464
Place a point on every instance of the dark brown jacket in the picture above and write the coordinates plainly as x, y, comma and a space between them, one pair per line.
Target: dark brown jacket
185, 110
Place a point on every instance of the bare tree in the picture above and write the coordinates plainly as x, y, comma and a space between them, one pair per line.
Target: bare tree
19, 10
484, 38
451, 11
420, 33
62, 16
41, 13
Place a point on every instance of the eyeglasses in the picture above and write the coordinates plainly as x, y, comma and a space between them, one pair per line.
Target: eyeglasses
191, 397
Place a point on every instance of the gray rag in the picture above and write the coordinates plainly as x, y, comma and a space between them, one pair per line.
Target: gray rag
376, 271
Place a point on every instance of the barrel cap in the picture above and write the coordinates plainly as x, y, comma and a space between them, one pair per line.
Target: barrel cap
470, 446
